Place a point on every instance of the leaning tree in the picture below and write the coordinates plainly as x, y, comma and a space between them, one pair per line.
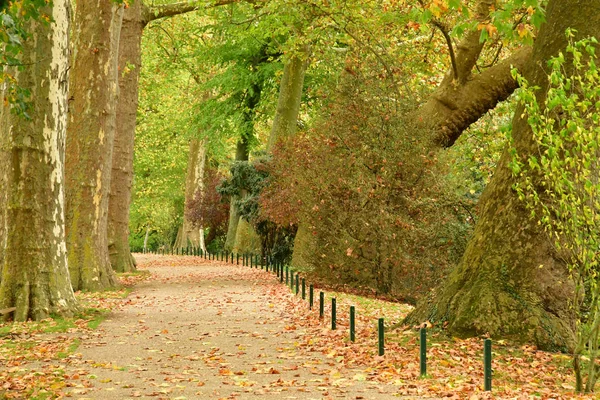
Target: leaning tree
510, 281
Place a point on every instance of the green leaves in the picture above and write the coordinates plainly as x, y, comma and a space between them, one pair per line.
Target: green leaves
558, 181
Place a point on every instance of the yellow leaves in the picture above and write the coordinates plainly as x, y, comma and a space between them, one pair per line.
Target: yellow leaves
530, 11
491, 29
438, 7
524, 30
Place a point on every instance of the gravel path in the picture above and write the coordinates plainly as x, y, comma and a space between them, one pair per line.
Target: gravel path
207, 330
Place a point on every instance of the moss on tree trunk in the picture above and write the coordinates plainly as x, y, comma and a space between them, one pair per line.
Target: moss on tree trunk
510, 282
188, 234
35, 278
90, 137
121, 181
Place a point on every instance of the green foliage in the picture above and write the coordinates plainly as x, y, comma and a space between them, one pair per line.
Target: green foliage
161, 148
245, 186
372, 196
14, 18
510, 20
559, 181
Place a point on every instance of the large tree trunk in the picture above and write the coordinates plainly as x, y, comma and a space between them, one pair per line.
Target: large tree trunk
32, 232
290, 98
509, 282
135, 19
121, 181
285, 125
91, 132
189, 235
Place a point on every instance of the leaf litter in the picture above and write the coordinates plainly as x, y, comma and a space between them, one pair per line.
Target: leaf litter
193, 328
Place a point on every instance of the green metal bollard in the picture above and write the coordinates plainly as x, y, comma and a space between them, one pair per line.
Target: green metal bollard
297, 283
310, 296
251, 260
423, 352
281, 274
381, 338
333, 314
237, 258
487, 365
287, 272
303, 289
321, 304
352, 324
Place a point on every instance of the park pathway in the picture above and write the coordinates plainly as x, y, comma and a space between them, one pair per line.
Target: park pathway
208, 330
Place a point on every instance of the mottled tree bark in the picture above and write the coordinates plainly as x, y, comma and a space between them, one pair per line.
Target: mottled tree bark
90, 136
190, 235
285, 123
122, 163
135, 19
510, 282
35, 277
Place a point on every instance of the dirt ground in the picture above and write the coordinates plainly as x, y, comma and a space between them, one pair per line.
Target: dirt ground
208, 330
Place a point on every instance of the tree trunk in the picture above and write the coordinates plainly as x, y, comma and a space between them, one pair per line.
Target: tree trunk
290, 98
121, 181
241, 154
194, 186
32, 232
94, 89
509, 282
146, 239
135, 19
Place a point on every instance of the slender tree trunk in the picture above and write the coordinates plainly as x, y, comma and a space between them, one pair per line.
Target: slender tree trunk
32, 227
241, 154
509, 282
94, 89
146, 239
121, 181
194, 187
202, 244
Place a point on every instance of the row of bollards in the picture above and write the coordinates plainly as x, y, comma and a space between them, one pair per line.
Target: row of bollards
293, 280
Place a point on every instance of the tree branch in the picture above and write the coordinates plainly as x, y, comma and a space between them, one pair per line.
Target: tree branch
151, 13
452, 109
438, 24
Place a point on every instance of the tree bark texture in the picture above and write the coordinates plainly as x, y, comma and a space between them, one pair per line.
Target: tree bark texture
92, 126
35, 277
135, 19
121, 182
510, 282
290, 98
189, 235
